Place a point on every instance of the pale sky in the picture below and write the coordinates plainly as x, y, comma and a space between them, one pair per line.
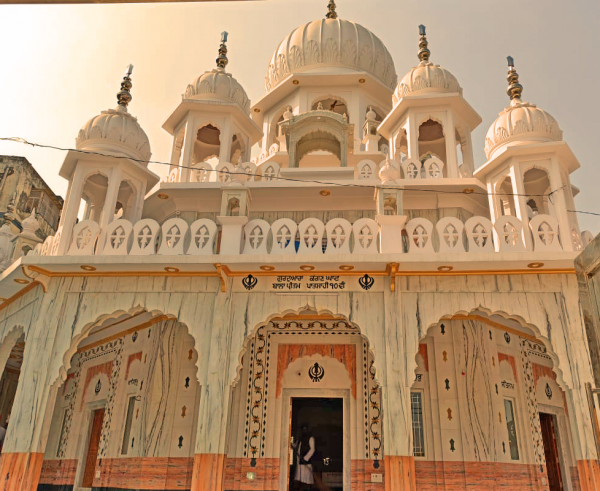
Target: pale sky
62, 65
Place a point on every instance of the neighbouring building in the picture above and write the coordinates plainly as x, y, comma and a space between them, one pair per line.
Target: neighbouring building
361, 277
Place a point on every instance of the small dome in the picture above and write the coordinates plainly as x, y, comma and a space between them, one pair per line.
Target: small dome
331, 42
521, 122
117, 128
217, 84
426, 78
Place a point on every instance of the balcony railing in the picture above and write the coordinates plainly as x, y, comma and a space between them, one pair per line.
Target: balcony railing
387, 234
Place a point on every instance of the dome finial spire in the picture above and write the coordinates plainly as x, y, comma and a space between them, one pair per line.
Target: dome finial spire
124, 95
331, 13
515, 89
424, 52
222, 58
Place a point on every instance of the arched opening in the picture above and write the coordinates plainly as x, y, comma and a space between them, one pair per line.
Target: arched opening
11, 355
237, 150
233, 207
486, 392
460, 148
536, 184
125, 201
302, 368
318, 149
93, 197
401, 146
207, 145
126, 406
332, 103
505, 197
432, 142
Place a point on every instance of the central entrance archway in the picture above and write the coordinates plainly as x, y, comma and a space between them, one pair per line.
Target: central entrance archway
313, 369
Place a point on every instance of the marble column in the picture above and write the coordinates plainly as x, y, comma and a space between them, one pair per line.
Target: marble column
211, 437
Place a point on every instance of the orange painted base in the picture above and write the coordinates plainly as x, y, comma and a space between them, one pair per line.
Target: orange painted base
266, 475
361, 476
20, 471
589, 475
400, 473
208, 473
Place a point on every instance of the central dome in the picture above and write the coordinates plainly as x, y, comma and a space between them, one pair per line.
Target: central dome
331, 43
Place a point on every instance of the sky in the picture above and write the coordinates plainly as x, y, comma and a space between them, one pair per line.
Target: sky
62, 64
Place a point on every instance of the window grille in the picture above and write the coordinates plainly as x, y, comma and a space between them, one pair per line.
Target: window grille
416, 409
128, 421
512, 429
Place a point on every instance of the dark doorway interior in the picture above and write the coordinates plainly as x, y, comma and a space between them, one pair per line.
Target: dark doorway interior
325, 420
549, 436
92, 453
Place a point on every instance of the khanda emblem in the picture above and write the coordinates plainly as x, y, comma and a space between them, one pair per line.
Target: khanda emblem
366, 282
249, 282
316, 372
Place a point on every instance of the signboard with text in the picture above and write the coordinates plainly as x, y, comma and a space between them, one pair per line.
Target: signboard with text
316, 283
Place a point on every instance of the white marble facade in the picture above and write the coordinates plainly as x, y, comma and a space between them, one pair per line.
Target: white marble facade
437, 301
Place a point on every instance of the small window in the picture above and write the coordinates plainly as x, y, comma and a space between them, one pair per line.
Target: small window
63, 428
512, 429
416, 409
128, 421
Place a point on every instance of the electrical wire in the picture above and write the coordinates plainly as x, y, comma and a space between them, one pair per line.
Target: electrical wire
324, 183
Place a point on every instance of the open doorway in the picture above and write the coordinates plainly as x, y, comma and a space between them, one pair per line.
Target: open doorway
322, 420
551, 451
89, 472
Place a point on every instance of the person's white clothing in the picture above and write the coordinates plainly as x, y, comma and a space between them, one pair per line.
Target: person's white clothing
304, 472
2, 434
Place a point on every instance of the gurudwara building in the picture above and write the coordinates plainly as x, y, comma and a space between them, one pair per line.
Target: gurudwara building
358, 290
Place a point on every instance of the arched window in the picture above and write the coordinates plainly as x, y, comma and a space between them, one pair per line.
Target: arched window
332, 103
506, 198
207, 144
237, 150
323, 148
537, 188
432, 141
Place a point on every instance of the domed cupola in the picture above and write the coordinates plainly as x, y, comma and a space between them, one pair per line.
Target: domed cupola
521, 122
328, 45
115, 131
217, 84
426, 78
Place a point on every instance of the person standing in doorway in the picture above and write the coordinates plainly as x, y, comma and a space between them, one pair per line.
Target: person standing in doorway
304, 449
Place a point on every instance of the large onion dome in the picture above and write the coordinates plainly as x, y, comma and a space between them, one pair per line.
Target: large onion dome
426, 78
521, 122
331, 43
115, 131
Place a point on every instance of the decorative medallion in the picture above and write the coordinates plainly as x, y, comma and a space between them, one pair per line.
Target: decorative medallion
507, 337
134, 337
316, 372
98, 387
366, 282
249, 282
548, 391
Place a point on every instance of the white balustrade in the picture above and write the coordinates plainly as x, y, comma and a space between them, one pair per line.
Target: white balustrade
256, 235
285, 237
84, 238
434, 168
203, 233
411, 168
174, 232
366, 169
338, 236
365, 232
420, 235
118, 238
509, 232
450, 232
479, 234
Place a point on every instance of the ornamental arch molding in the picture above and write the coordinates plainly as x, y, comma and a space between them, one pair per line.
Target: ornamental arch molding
432, 318
8, 342
60, 366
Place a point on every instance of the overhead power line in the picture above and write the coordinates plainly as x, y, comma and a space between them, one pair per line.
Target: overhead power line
280, 178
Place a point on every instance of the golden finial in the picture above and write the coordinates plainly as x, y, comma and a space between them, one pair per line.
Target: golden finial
124, 96
424, 52
514, 89
331, 13
222, 58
